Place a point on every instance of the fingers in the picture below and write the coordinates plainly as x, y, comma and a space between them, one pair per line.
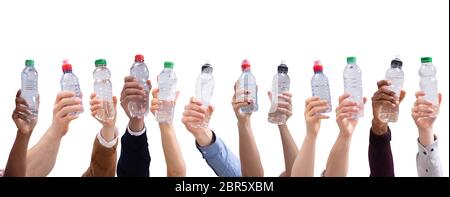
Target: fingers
421, 101
343, 97
420, 94
195, 100
193, 113
317, 110
383, 83
21, 101
402, 95
346, 103
195, 107
64, 94
316, 103
155, 92
189, 119
65, 111
308, 100
67, 101
129, 79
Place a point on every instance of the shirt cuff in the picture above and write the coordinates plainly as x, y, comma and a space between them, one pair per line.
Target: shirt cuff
111, 143
139, 133
431, 150
212, 149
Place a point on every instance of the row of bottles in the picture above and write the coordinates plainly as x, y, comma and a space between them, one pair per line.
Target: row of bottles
246, 88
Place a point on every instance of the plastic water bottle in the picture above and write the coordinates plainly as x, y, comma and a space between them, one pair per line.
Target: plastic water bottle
103, 90
204, 89
428, 82
396, 76
247, 83
139, 70
167, 84
69, 82
353, 85
280, 84
30, 87
320, 86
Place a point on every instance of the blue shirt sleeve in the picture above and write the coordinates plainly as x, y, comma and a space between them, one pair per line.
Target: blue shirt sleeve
220, 158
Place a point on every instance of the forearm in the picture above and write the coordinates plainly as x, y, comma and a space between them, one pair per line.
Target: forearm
290, 149
337, 164
42, 157
304, 162
250, 159
172, 153
134, 158
380, 155
16, 166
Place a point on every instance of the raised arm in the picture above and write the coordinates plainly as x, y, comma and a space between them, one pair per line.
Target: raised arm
380, 155
337, 164
42, 157
216, 153
428, 159
25, 123
248, 151
134, 158
290, 149
304, 162
104, 156
172, 153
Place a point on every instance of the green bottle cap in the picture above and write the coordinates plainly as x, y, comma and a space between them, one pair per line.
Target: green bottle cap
100, 62
426, 59
168, 64
29, 63
351, 60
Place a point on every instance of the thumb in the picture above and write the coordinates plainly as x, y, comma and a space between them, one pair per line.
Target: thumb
114, 98
210, 109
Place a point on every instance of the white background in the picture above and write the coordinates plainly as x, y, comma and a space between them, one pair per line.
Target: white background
225, 32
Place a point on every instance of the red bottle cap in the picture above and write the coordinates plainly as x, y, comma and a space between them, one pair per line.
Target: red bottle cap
67, 67
318, 66
245, 64
139, 58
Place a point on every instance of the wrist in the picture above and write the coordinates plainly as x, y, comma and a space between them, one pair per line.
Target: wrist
379, 127
244, 122
426, 136
136, 124
204, 138
56, 131
23, 135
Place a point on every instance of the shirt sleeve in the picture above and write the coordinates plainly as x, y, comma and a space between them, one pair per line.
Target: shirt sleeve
104, 157
135, 157
220, 158
380, 155
428, 160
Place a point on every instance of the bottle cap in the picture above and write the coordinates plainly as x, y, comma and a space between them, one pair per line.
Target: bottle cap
318, 66
168, 64
351, 60
100, 62
29, 63
396, 63
66, 67
245, 64
206, 65
426, 59
282, 68
139, 58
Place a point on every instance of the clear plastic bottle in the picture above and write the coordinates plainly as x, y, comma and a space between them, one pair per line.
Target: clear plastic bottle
30, 87
247, 83
428, 81
167, 84
320, 86
103, 89
204, 89
353, 85
139, 70
396, 76
280, 84
69, 82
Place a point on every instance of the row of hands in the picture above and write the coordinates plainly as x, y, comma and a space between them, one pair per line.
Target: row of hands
66, 104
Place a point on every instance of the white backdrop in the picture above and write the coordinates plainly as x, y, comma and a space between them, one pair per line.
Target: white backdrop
225, 32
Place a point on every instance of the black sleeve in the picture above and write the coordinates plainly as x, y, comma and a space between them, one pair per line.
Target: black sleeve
134, 158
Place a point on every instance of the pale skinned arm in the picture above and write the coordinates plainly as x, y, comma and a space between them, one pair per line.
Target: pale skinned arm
41, 157
248, 151
304, 162
172, 152
337, 164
